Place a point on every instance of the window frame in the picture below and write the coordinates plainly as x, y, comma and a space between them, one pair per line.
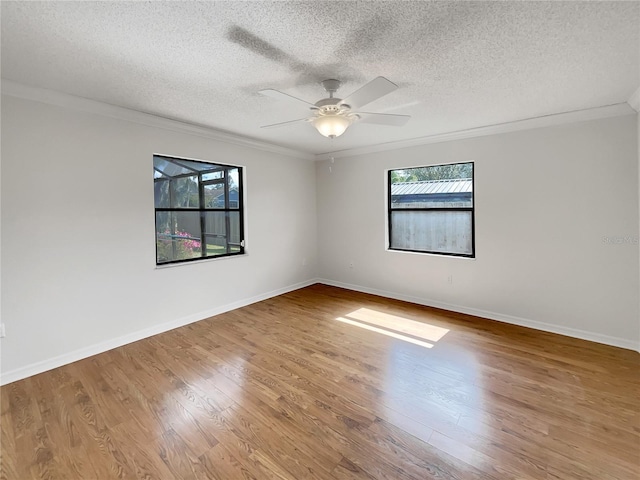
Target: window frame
202, 209
471, 209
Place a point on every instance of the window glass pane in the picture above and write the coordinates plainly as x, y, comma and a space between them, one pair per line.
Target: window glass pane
438, 186
177, 236
215, 245
185, 192
222, 229
173, 167
234, 228
194, 166
234, 198
215, 223
233, 178
432, 231
216, 233
168, 168
234, 191
226, 224
213, 175
214, 195
161, 193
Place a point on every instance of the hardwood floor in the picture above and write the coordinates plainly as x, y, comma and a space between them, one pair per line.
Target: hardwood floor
308, 386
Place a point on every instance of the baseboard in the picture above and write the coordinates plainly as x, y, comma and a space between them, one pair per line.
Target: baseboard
55, 362
523, 322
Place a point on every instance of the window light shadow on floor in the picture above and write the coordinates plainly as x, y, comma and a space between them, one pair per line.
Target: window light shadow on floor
418, 333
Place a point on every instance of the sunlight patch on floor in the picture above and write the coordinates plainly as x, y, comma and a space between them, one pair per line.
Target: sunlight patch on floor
388, 333
400, 325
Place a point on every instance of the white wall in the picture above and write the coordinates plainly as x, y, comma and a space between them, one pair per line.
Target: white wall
78, 266
545, 198
78, 272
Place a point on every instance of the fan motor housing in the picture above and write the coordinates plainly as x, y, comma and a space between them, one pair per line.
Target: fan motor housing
328, 102
332, 106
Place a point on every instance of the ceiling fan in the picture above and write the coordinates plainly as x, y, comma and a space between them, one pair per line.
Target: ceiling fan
332, 116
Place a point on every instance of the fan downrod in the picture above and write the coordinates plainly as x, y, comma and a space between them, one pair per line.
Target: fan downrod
331, 85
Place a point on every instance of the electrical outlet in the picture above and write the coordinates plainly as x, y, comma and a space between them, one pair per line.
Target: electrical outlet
450, 279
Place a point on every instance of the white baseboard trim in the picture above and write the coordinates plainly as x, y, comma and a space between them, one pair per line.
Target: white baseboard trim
55, 362
60, 360
523, 322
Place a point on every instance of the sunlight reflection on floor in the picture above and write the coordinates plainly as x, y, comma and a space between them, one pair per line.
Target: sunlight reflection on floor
426, 392
411, 331
385, 332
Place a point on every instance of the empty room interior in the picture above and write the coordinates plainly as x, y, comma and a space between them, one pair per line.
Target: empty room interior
339, 240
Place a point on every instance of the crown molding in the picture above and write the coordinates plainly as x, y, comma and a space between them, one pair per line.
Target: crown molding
51, 97
607, 111
634, 100
73, 102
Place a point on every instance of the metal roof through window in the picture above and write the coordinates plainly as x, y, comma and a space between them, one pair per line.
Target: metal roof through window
461, 185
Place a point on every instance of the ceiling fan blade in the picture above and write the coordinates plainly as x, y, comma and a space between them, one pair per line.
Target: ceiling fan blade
384, 118
282, 124
376, 88
285, 97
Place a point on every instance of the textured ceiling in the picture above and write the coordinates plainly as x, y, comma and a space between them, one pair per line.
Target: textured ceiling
459, 65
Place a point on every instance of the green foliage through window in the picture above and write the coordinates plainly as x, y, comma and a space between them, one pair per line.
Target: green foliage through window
435, 172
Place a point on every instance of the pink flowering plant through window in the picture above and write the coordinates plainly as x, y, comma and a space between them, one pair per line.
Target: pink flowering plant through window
186, 246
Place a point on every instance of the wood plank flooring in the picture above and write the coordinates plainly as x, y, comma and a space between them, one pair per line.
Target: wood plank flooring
310, 385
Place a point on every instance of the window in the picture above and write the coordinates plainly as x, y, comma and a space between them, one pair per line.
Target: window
199, 212
431, 209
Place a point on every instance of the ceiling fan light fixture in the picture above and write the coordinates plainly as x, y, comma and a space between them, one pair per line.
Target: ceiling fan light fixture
331, 126
332, 116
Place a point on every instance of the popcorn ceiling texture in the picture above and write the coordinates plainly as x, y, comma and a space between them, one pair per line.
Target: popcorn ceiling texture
459, 65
